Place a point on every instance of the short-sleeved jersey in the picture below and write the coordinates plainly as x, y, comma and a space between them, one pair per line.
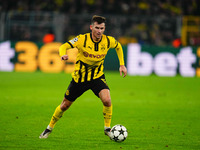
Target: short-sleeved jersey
91, 55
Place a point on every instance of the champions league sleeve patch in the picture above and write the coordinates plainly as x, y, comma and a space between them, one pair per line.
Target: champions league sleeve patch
74, 40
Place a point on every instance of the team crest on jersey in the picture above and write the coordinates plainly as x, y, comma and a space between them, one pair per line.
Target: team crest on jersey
103, 47
74, 40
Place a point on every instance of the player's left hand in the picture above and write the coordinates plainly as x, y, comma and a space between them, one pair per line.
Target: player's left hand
122, 69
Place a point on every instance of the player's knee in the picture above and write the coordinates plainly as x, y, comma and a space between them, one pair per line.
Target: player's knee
65, 104
107, 102
105, 97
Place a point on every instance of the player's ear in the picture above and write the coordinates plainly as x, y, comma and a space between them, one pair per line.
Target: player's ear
91, 27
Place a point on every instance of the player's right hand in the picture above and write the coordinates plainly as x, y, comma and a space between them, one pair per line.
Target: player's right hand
64, 57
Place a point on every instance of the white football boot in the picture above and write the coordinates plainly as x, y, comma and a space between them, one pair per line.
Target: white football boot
46, 133
107, 131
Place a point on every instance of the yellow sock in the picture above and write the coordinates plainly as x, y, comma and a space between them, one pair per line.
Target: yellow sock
56, 116
107, 113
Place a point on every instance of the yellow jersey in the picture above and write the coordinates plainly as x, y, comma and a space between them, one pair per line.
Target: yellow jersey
91, 55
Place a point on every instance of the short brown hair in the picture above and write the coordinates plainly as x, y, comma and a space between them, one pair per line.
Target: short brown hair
98, 19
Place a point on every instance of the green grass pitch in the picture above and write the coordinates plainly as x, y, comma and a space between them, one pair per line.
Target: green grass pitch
159, 113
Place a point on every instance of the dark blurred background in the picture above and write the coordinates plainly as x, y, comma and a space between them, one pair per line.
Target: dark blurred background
148, 22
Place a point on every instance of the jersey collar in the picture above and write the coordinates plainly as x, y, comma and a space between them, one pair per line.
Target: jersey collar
93, 40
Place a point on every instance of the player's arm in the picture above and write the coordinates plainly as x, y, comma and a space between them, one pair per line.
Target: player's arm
63, 49
120, 54
122, 68
118, 47
68, 45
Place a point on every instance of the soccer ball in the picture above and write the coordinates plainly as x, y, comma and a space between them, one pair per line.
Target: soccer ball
118, 133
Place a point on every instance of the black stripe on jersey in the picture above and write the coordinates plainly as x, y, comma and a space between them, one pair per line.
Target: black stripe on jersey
85, 41
79, 72
99, 69
92, 74
70, 44
116, 45
108, 42
86, 72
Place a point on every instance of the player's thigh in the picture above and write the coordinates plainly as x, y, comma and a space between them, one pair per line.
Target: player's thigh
75, 90
98, 85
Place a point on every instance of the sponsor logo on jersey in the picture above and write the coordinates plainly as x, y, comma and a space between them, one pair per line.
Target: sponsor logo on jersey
86, 54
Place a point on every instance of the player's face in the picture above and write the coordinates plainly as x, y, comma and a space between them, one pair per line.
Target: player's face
97, 30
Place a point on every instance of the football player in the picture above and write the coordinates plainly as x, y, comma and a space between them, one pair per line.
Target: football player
88, 74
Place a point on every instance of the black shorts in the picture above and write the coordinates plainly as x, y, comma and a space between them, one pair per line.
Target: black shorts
77, 89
